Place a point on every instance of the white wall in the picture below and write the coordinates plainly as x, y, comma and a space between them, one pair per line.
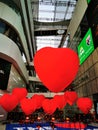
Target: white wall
10, 16
10, 52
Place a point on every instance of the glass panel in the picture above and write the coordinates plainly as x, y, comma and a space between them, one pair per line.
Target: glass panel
49, 41
56, 10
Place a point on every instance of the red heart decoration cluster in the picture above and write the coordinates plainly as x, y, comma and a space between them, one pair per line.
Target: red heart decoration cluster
29, 105
59, 101
10, 101
56, 67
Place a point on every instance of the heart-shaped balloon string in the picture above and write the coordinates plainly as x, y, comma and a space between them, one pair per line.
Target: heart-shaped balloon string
56, 67
9, 102
84, 104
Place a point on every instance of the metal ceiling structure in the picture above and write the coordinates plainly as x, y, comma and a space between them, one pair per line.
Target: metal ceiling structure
51, 20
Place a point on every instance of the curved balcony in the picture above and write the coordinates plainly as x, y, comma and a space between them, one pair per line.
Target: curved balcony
14, 20
10, 52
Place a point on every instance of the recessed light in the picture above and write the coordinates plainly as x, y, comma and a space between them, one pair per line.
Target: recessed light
60, 31
2, 115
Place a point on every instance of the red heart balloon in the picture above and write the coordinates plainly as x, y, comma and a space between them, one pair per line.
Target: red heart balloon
84, 104
38, 99
20, 92
56, 67
60, 100
8, 102
71, 97
27, 106
49, 106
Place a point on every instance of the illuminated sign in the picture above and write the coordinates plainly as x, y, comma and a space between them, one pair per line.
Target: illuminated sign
86, 46
88, 1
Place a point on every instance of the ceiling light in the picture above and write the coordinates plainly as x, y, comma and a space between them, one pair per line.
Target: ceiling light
1, 71
60, 31
1, 115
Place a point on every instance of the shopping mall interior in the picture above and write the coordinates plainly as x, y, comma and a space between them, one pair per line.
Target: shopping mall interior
48, 64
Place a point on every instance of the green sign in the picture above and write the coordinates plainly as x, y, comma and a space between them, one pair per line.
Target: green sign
86, 46
88, 1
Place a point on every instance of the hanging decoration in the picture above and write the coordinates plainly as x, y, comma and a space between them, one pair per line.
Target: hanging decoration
84, 104
9, 102
38, 99
56, 67
20, 92
27, 106
49, 106
71, 97
60, 101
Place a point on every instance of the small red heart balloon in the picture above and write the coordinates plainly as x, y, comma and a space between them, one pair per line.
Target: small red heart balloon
9, 102
56, 67
49, 106
71, 97
27, 106
84, 104
20, 92
38, 99
60, 100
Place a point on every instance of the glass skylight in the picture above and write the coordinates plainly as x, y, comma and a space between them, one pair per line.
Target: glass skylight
48, 41
52, 11
55, 10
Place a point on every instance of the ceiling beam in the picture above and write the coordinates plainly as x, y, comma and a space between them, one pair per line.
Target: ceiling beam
39, 26
34, 79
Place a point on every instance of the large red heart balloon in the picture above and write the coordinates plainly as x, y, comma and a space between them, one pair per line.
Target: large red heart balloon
9, 102
56, 67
